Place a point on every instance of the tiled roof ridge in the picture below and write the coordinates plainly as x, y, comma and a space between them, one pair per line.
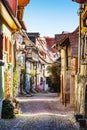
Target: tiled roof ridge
65, 35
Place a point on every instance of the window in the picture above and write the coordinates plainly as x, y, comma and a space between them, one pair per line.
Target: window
84, 48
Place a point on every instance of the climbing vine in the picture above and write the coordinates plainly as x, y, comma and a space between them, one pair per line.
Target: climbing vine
15, 82
80, 78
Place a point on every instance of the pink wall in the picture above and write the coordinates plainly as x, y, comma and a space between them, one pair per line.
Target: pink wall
13, 5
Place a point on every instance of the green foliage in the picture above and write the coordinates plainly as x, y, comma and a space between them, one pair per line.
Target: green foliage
54, 72
80, 78
7, 109
9, 66
15, 81
19, 63
33, 72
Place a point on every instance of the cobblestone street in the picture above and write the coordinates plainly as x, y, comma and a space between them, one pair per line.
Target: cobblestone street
41, 112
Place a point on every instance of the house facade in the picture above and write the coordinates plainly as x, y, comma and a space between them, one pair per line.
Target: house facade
67, 44
10, 38
6, 46
81, 104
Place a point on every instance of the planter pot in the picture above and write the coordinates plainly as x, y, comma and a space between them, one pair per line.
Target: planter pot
78, 116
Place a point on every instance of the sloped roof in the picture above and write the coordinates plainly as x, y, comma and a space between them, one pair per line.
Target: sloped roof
7, 13
80, 1
42, 46
74, 37
73, 40
50, 42
20, 12
23, 2
23, 24
59, 37
34, 34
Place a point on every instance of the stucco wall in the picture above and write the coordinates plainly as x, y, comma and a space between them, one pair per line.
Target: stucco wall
1, 83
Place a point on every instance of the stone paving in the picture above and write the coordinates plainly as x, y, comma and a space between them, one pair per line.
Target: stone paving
41, 112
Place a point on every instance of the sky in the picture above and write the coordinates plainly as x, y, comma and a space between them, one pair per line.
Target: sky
50, 17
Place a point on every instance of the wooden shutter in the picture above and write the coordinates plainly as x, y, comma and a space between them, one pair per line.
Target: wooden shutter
1, 46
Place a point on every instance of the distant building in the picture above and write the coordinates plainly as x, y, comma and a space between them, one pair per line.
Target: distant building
33, 36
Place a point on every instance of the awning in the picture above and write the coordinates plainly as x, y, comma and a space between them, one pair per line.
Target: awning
80, 1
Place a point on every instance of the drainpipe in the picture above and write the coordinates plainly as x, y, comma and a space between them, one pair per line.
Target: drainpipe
79, 44
79, 58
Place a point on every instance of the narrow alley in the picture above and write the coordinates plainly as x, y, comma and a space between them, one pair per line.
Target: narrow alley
43, 111
43, 65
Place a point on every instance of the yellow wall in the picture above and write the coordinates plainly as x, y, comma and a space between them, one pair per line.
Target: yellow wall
83, 15
4, 28
6, 31
83, 69
63, 74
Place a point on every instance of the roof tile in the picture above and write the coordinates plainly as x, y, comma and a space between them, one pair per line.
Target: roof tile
73, 39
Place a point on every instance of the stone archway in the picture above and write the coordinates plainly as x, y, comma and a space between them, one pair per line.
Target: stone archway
86, 101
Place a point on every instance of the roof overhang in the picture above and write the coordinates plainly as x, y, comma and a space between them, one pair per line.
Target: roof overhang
64, 41
23, 2
9, 18
21, 5
61, 42
80, 1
